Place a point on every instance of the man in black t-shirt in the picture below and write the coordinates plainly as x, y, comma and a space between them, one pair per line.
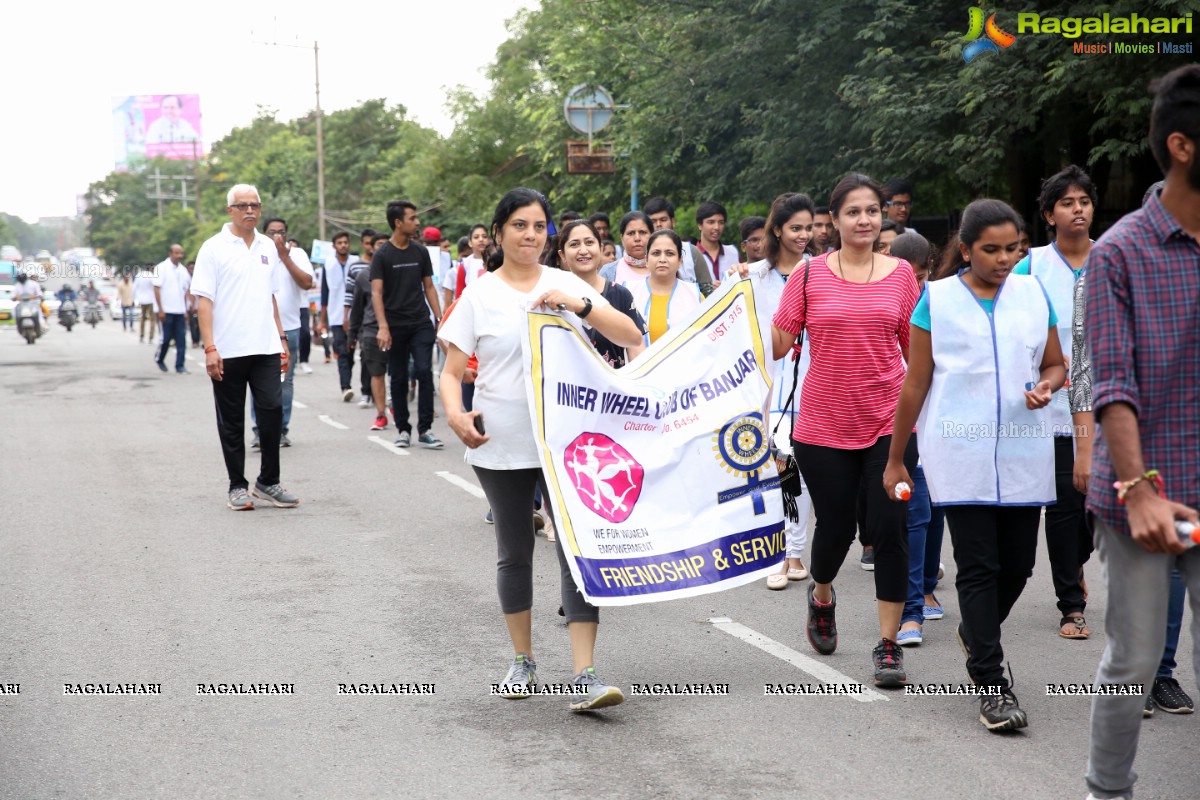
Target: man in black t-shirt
402, 296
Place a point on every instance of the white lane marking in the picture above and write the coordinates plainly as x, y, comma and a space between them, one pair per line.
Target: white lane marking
298, 404
386, 445
821, 672
463, 484
332, 422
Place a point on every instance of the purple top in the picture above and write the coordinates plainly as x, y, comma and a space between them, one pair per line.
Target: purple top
1143, 329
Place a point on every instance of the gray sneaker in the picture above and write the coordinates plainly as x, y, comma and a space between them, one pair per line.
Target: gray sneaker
239, 500
521, 677
427, 439
255, 443
403, 440
284, 441
365, 402
599, 694
276, 495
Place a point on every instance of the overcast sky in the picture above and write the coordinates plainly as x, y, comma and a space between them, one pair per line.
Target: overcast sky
68, 60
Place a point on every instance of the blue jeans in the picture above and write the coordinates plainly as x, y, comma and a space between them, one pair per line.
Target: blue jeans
1166, 667
126, 317
289, 386
926, 525
174, 327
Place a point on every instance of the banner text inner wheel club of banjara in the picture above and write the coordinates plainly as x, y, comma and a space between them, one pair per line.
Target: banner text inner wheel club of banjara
661, 472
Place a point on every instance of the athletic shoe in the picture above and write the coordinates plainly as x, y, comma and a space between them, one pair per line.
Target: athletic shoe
868, 559
366, 402
347, 395
1148, 709
933, 612
1168, 696
488, 518
599, 694
909, 638
184, 371
539, 521
305, 368
161, 366
284, 441
275, 495
889, 664
239, 500
822, 624
1000, 712
941, 570
427, 439
255, 444
403, 440
521, 677
380, 423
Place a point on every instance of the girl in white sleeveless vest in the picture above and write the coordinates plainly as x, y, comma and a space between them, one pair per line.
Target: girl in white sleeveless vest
789, 232
663, 300
1067, 203
984, 361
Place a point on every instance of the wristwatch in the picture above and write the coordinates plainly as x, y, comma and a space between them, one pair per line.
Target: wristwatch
587, 308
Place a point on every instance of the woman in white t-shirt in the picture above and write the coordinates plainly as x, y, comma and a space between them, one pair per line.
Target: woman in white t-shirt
489, 321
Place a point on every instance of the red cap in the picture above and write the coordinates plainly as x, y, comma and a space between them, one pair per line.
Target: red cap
431, 234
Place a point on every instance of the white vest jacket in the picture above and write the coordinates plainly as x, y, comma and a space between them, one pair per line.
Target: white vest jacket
979, 444
1049, 267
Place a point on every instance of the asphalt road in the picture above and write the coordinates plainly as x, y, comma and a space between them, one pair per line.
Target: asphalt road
119, 563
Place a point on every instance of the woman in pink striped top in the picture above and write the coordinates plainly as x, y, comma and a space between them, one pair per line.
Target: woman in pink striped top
855, 311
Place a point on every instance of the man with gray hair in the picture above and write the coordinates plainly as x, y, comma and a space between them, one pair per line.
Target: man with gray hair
236, 279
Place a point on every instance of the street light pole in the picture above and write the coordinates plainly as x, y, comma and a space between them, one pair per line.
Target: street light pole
320, 147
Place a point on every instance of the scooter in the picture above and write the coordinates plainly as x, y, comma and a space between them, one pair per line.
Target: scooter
68, 315
28, 315
91, 313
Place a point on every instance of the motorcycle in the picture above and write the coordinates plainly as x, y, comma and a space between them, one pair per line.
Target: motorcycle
28, 315
91, 313
68, 315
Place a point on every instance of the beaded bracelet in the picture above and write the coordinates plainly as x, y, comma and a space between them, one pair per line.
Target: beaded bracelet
1123, 487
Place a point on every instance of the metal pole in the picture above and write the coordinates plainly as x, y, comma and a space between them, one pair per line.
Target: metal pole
158, 190
633, 188
320, 148
196, 174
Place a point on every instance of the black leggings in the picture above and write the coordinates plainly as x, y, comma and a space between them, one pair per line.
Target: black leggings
994, 550
510, 492
834, 478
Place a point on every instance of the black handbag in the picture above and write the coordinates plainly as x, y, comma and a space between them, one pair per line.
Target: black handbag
789, 470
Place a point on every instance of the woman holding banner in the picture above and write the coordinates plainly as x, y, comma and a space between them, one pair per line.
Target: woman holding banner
490, 320
579, 253
854, 309
662, 298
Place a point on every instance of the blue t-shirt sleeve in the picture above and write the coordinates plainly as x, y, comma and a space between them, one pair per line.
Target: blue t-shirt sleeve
920, 315
1022, 267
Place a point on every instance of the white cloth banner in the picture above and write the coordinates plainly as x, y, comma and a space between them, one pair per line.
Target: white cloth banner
661, 472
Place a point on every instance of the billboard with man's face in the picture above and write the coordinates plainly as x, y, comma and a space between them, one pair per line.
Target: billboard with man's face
155, 125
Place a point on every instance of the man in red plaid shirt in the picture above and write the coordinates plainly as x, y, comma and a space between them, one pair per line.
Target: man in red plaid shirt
1143, 326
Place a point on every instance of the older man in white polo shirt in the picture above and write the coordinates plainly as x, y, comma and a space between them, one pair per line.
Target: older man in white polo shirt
171, 280
236, 279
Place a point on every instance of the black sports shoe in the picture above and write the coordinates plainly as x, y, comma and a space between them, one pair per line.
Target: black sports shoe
1168, 696
822, 625
1148, 709
889, 664
1000, 712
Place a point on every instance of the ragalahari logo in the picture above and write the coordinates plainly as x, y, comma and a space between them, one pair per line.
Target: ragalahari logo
606, 477
995, 41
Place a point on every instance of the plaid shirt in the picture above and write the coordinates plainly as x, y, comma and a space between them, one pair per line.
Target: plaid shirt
1143, 330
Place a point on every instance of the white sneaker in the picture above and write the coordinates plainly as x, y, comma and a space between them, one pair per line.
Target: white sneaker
306, 369
366, 402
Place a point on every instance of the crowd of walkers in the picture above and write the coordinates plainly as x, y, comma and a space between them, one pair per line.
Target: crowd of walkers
980, 385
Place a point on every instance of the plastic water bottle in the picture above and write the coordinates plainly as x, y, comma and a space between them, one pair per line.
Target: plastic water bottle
1188, 532
903, 491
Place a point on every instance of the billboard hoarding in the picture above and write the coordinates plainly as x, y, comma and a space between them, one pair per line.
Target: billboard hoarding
155, 126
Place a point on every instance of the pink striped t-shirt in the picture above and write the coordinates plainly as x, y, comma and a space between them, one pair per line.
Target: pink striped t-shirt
854, 332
